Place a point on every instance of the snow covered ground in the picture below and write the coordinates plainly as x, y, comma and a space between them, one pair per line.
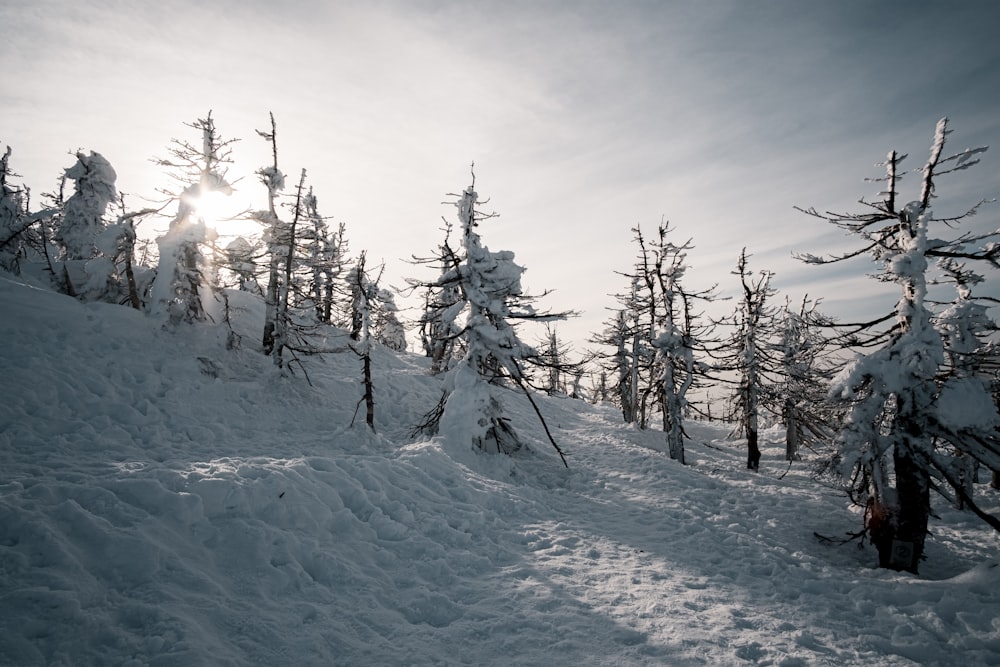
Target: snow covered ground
166, 502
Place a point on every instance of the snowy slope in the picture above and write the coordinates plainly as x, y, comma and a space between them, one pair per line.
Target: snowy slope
164, 501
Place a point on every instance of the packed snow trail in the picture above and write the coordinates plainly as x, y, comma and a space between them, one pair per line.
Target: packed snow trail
165, 501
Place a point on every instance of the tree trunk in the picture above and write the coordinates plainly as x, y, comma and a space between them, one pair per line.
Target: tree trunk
792, 431
369, 391
753, 451
913, 497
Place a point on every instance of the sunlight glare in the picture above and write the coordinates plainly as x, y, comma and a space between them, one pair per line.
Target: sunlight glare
217, 210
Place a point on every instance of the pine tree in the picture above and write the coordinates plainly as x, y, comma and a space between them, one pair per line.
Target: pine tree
14, 218
185, 277
491, 296
439, 334
800, 349
82, 219
899, 414
87, 272
755, 324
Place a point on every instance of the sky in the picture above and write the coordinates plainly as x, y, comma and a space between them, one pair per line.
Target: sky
583, 119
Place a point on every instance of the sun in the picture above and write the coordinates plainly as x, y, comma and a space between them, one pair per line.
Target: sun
219, 211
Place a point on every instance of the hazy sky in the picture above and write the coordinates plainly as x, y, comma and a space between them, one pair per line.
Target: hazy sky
583, 118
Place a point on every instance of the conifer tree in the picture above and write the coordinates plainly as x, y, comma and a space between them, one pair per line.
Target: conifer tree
14, 218
804, 372
750, 357
900, 413
185, 277
491, 296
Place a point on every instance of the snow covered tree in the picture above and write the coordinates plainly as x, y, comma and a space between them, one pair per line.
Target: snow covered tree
675, 334
656, 337
800, 350
14, 218
275, 237
622, 337
970, 355
754, 321
87, 271
185, 277
439, 334
900, 412
82, 218
323, 256
386, 327
491, 296
241, 260
367, 294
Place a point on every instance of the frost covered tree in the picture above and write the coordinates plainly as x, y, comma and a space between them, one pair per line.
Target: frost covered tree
439, 333
491, 296
800, 349
15, 221
750, 357
902, 412
675, 333
656, 338
386, 326
83, 215
275, 238
88, 269
323, 256
556, 374
622, 337
366, 292
966, 330
185, 276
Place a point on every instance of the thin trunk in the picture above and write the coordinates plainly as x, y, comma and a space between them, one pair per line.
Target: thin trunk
753, 451
792, 431
369, 392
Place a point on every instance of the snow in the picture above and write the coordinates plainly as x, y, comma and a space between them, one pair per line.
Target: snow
164, 501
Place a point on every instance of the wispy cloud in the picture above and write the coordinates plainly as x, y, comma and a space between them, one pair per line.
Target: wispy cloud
584, 118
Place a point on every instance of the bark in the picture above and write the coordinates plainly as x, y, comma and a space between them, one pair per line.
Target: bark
913, 493
792, 431
753, 451
369, 392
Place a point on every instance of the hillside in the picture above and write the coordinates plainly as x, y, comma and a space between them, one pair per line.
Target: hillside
164, 501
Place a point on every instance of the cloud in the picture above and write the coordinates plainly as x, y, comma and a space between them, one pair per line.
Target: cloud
584, 118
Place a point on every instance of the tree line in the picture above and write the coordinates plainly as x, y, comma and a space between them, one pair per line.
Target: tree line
894, 408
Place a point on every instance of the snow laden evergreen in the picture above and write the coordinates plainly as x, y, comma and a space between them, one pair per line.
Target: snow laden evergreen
909, 419
20, 241
185, 277
82, 219
620, 334
489, 284
800, 350
441, 296
88, 246
276, 241
656, 337
12, 217
387, 329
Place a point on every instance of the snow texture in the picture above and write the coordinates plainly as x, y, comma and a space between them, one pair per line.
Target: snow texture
162, 504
